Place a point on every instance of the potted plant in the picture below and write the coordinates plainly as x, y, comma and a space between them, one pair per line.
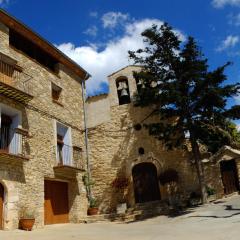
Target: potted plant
120, 185
211, 192
26, 218
93, 209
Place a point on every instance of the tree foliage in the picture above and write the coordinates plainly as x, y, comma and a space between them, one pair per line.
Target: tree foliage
190, 100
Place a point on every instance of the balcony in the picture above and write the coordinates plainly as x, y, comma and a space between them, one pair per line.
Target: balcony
69, 160
13, 145
14, 83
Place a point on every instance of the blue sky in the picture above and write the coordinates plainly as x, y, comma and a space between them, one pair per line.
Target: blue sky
98, 33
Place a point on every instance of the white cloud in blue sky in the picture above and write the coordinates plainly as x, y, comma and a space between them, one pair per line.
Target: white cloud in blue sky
3, 2
234, 19
93, 14
113, 19
230, 42
223, 3
91, 31
114, 54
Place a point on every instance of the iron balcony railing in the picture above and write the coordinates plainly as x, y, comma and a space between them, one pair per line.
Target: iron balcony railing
13, 141
13, 76
69, 156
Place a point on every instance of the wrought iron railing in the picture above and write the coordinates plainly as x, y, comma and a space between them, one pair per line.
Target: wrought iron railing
69, 156
13, 141
15, 77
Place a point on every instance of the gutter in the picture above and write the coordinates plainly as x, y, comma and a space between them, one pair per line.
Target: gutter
83, 84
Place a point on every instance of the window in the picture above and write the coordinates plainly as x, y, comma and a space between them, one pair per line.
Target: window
56, 93
6, 122
60, 149
123, 91
64, 148
139, 83
141, 151
21, 43
10, 138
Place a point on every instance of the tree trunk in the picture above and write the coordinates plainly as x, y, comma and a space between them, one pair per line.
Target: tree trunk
199, 167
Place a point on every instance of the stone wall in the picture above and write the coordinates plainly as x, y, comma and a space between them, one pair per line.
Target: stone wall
98, 110
24, 183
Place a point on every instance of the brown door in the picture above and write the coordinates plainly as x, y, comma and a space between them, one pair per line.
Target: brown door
229, 176
1, 205
56, 209
145, 181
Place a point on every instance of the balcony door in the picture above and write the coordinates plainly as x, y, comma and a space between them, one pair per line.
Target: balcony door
5, 133
64, 145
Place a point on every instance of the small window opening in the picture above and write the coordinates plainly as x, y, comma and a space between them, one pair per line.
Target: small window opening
138, 127
141, 151
123, 91
139, 83
56, 93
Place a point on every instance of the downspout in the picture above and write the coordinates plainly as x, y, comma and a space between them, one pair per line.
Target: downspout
88, 187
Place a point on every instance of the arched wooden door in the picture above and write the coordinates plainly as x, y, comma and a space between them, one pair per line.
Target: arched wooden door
1, 205
229, 176
145, 181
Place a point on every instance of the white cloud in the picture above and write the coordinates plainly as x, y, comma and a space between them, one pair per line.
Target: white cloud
91, 31
93, 14
3, 2
223, 3
229, 42
112, 19
114, 56
234, 19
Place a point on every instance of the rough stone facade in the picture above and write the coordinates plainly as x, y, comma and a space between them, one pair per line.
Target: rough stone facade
24, 181
114, 144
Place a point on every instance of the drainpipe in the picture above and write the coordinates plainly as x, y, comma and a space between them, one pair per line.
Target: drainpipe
89, 191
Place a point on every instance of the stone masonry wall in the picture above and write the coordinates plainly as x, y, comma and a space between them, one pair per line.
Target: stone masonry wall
25, 182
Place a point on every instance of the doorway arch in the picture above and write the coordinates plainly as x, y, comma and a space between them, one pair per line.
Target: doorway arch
229, 175
145, 182
1, 205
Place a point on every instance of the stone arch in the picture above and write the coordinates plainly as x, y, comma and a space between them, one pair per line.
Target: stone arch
145, 182
10, 208
149, 158
123, 91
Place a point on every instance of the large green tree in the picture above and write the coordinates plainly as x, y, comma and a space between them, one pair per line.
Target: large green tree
190, 100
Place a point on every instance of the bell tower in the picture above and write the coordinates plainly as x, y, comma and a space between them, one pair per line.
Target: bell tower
122, 86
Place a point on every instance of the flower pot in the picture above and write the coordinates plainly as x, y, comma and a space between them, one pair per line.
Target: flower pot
92, 211
26, 224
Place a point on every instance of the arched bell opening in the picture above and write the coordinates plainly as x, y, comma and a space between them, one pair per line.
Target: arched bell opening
123, 90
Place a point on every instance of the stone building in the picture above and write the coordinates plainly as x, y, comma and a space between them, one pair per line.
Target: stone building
41, 129
121, 148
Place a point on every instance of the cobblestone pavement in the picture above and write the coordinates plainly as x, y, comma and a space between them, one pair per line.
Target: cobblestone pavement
215, 221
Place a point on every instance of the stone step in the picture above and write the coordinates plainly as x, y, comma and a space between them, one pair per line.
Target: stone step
136, 213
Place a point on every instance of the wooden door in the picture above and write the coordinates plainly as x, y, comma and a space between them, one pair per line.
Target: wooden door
56, 208
146, 188
229, 176
1, 205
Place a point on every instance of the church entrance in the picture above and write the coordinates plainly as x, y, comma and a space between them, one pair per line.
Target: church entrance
145, 181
